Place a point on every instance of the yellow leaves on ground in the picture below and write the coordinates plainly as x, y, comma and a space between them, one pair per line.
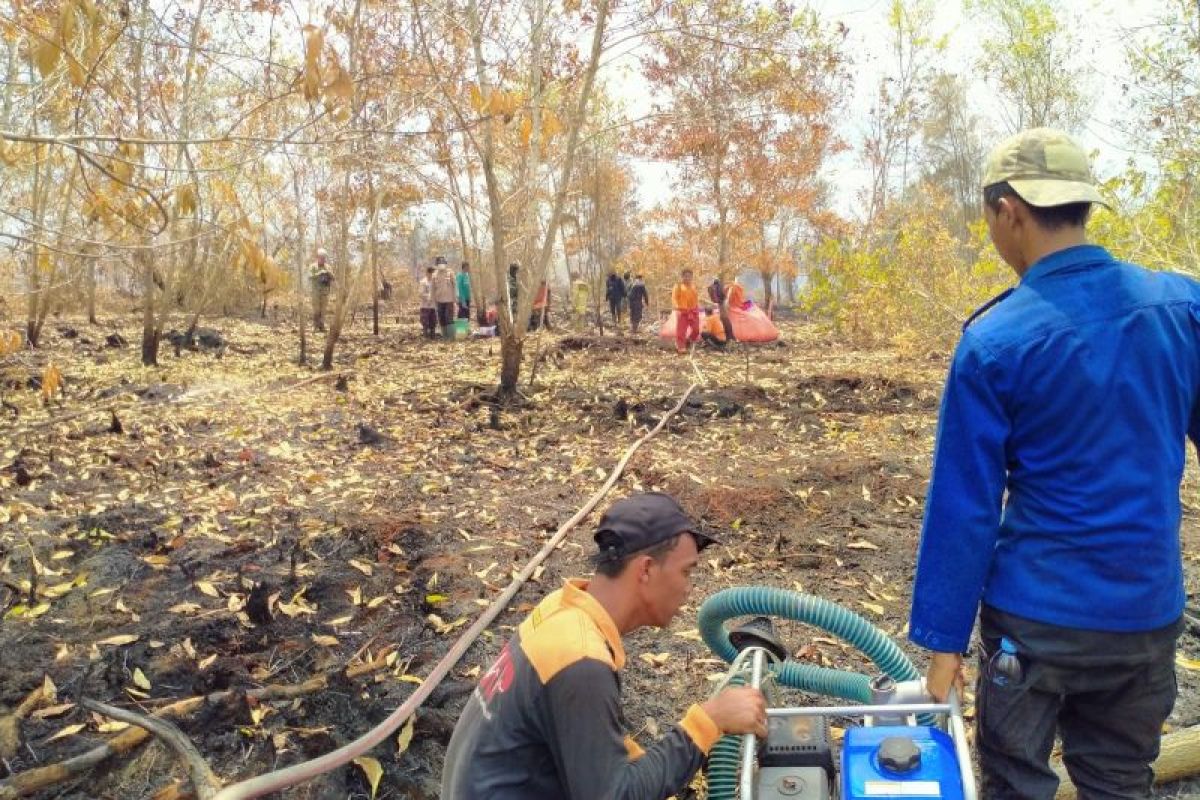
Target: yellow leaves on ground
443, 627
52, 381
874, 608
206, 588
1187, 663
656, 659
372, 769
862, 544
297, 606
27, 611
362, 566
70, 730
404, 739
10, 342
118, 641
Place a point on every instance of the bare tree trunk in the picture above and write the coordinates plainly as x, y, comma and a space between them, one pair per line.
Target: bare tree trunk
149, 331
373, 253
92, 258
511, 349
301, 315
345, 285
143, 257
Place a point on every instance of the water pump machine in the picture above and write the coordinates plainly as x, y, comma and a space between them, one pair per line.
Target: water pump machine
898, 745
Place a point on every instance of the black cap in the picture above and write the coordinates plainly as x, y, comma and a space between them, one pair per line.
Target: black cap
899, 754
641, 521
440, 260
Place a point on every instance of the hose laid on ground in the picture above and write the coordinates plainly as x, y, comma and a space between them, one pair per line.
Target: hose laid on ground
307, 770
724, 759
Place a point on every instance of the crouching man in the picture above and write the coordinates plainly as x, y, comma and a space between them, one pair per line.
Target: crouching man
545, 720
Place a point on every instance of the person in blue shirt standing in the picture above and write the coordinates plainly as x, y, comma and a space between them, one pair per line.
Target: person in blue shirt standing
1053, 507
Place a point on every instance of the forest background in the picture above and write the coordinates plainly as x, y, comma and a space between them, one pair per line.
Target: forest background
187, 159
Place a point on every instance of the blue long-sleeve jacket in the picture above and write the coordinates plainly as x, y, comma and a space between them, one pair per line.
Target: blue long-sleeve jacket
1060, 450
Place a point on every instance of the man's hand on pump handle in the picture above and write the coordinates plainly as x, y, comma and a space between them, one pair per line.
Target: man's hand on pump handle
738, 710
945, 670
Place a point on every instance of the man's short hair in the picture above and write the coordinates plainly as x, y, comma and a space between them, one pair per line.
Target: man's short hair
611, 568
686, 272
1048, 218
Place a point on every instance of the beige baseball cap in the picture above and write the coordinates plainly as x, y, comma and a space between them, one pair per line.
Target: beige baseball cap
1045, 167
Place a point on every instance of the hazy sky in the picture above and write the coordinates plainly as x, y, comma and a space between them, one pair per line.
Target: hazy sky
1104, 26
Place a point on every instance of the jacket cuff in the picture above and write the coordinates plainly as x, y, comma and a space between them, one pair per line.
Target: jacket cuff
700, 727
937, 641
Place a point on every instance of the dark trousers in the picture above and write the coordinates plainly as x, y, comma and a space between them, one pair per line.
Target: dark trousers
464, 310
614, 308
635, 316
1106, 694
445, 312
428, 321
727, 324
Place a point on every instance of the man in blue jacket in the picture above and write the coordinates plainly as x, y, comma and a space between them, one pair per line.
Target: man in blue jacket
1053, 508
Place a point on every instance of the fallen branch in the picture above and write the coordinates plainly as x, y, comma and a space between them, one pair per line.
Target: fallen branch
1179, 758
10, 725
328, 376
30, 781
204, 781
1191, 618
299, 773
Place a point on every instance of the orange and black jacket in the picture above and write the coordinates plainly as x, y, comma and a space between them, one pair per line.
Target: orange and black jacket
545, 720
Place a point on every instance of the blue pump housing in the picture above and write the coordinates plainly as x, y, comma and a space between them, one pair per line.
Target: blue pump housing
865, 778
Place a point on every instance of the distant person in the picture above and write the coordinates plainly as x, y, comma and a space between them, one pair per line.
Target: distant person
321, 277
714, 332
614, 293
686, 302
464, 291
581, 297
716, 293
540, 314
428, 305
443, 295
639, 298
736, 296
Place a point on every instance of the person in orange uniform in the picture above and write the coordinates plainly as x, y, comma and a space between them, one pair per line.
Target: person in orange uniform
736, 296
714, 331
687, 311
545, 720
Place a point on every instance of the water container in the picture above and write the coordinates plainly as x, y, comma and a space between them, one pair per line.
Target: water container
889, 762
462, 327
1005, 667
